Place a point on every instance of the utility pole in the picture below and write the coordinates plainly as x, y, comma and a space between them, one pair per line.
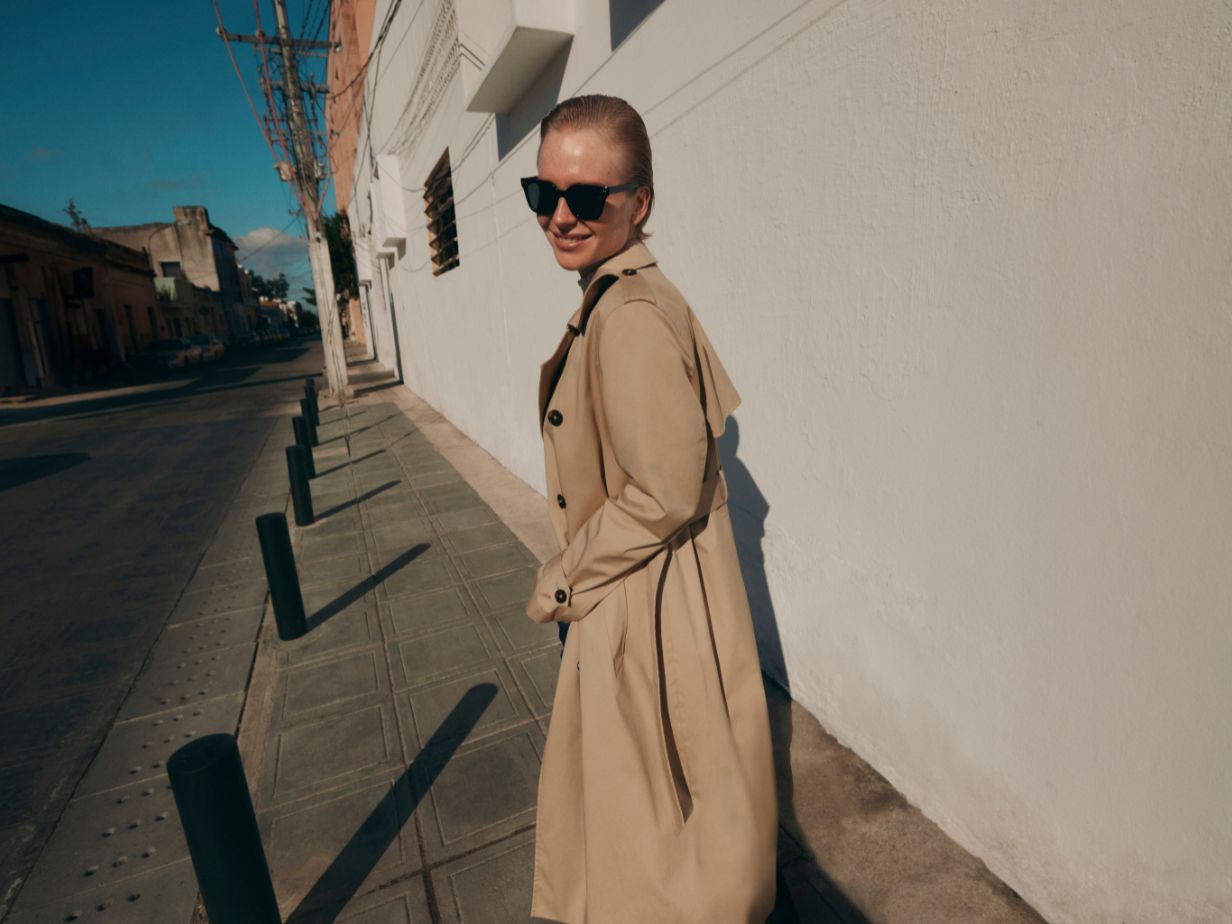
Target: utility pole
305, 174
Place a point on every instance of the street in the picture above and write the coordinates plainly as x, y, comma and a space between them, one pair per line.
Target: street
108, 505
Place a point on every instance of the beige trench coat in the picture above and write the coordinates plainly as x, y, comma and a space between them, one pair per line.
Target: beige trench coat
657, 799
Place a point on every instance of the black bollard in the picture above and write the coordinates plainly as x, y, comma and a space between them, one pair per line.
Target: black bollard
314, 409
211, 794
302, 440
281, 575
301, 495
310, 384
305, 410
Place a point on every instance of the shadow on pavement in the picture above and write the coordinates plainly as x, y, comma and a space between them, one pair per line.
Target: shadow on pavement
356, 501
350, 462
342, 879
340, 603
15, 472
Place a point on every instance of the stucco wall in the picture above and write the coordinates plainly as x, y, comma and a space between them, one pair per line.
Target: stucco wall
968, 265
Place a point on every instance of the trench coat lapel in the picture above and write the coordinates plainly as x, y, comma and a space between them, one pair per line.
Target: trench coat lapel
635, 256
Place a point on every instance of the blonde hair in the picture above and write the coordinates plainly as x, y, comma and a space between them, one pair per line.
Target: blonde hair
621, 122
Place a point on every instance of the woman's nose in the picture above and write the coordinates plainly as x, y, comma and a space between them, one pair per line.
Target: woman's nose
561, 215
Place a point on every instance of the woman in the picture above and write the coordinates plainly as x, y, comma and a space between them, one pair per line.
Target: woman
657, 801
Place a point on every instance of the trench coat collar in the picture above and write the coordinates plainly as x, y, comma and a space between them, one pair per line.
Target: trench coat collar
635, 256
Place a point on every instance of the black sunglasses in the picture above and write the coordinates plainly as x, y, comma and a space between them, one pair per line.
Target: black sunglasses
585, 200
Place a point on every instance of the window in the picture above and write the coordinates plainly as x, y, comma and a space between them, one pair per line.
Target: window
442, 227
169, 268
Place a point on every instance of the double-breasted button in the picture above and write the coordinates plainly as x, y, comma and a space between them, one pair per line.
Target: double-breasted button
561, 596
555, 417
629, 272
560, 501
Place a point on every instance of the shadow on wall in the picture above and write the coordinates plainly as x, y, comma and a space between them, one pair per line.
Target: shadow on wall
538, 101
626, 15
812, 897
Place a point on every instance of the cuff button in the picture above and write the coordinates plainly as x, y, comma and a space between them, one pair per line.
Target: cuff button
561, 596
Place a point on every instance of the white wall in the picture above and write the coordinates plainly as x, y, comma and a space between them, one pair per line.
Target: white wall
968, 264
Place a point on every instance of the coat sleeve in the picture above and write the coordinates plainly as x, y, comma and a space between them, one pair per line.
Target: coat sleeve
658, 435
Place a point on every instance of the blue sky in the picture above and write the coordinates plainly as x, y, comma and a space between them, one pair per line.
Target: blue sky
133, 107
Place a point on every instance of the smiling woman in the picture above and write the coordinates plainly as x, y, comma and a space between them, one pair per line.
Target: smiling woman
657, 796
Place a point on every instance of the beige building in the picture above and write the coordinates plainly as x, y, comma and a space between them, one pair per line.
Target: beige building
72, 305
193, 248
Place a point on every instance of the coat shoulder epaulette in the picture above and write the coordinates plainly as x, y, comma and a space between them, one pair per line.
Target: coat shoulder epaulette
633, 286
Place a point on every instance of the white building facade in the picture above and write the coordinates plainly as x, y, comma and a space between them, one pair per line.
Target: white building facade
968, 265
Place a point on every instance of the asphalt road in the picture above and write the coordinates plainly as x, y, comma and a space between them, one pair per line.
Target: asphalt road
106, 506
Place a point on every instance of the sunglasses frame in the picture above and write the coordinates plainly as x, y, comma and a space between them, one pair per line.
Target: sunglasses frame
559, 194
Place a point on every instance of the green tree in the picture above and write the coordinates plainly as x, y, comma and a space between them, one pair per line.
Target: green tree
337, 230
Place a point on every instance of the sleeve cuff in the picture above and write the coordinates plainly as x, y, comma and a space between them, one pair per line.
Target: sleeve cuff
552, 597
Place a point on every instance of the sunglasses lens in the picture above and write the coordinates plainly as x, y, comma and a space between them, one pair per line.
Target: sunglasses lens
540, 196
586, 202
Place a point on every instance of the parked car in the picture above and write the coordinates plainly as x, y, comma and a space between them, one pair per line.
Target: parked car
169, 354
211, 346
193, 354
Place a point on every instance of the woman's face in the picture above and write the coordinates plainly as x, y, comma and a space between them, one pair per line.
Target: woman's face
583, 155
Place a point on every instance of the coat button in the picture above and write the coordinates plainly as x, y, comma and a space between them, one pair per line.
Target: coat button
555, 418
560, 501
629, 272
561, 596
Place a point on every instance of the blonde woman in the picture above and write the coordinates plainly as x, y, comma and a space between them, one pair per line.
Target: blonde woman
657, 797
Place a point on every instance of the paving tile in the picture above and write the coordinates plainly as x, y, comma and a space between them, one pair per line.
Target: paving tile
423, 709
356, 625
536, 674
423, 573
405, 903
358, 840
480, 793
432, 478
450, 500
318, 545
347, 569
239, 571
178, 682
415, 614
332, 685
489, 886
515, 632
331, 751
452, 520
156, 897
334, 524
392, 513
217, 600
105, 838
402, 534
504, 590
439, 654
496, 559
479, 537
138, 749
206, 636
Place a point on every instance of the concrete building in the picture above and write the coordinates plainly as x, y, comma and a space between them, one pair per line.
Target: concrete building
350, 29
192, 247
189, 308
968, 266
72, 305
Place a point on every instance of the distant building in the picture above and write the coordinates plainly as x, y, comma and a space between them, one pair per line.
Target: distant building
72, 304
193, 248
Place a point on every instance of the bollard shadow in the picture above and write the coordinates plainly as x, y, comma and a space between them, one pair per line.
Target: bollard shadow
341, 602
338, 468
16, 472
343, 878
355, 501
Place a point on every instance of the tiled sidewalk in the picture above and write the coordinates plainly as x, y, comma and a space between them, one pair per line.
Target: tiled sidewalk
396, 765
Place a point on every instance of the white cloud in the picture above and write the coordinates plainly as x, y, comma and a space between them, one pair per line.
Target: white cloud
269, 252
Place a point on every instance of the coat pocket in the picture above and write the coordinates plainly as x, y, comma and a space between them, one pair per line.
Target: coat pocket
617, 626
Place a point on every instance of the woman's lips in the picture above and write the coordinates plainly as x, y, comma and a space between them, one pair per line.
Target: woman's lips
568, 243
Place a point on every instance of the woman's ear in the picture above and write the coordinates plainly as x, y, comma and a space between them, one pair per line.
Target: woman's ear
643, 206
